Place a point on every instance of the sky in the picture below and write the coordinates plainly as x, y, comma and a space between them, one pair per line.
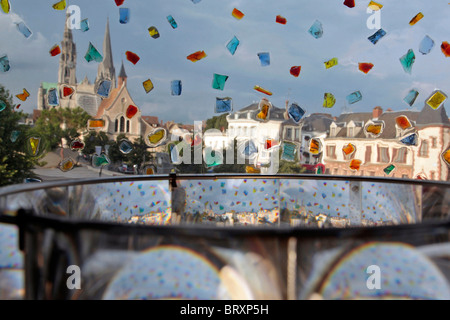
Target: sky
209, 25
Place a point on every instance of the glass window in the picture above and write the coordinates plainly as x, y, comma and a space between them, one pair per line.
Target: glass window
423, 151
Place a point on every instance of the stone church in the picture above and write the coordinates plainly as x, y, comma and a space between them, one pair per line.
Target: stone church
69, 93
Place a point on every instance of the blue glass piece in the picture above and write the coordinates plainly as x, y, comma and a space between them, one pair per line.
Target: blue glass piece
52, 97
2, 105
14, 136
223, 105
296, 112
289, 151
377, 36
354, 97
172, 21
264, 57
410, 140
4, 63
232, 45
24, 29
84, 25
124, 15
407, 61
250, 148
411, 97
103, 88
426, 45
176, 87
125, 147
316, 29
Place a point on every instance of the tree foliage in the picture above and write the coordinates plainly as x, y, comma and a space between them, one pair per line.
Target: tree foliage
93, 139
217, 122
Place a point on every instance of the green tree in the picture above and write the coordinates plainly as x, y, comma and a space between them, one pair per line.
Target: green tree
93, 139
114, 153
16, 162
217, 122
139, 155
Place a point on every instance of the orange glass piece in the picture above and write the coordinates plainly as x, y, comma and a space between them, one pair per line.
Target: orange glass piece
280, 19
416, 18
375, 6
365, 67
445, 47
23, 96
55, 50
250, 169
314, 146
237, 14
355, 164
66, 165
264, 112
446, 156
95, 123
196, 56
149, 170
132, 57
258, 88
403, 122
349, 149
374, 128
131, 111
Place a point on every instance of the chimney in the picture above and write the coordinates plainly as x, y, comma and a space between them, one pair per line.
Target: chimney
377, 112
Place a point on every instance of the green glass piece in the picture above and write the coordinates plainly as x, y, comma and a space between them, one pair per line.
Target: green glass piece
219, 81
389, 169
92, 54
407, 61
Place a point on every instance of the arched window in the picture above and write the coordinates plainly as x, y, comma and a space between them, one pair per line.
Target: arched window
128, 126
116, 126
122, 124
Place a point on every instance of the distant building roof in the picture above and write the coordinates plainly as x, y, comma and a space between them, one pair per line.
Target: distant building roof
36, 114
151, 120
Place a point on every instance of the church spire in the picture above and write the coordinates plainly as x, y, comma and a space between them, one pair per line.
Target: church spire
106, 67
122, 75
68, 58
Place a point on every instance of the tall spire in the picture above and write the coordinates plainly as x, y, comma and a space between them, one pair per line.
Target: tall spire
106, 67
68, 57
122, 76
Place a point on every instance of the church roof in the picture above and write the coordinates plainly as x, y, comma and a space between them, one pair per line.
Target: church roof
122, 73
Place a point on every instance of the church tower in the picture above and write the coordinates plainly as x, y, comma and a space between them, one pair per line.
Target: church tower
68, 58
106, 67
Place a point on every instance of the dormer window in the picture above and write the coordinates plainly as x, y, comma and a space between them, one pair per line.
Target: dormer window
333, 131
351, 131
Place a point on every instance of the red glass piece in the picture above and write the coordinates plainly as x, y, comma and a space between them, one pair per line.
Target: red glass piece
196, 56
445, 47
67, 91
403, 122
132, 57
281, 19
55, 50
131, 111
365, 67
349, 3
77, 145
268, 144
119, 2
295, 70
237, 14
17, 107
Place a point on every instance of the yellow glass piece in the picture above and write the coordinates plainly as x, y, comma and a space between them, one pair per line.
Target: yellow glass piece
96, 123
375, 6
66, 165
328, 100
23, 96
34, 144
331, 63
61, 5
436, 100
250, 169
416, 18
156, 137
314, 146
374, 128
148, 85
6, 7
264, 112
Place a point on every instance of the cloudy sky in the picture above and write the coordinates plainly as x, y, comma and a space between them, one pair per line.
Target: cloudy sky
209, 25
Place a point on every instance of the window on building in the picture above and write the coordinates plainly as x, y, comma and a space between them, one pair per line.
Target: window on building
331, 152
433, 175
288, 133
423, 151
433, 142
350, 131
122, 124
116, 125
128, 126
372, 173
333, 132
297, 134
368, 156
399, 155
383, 154
245, 131
336, 171
253, 131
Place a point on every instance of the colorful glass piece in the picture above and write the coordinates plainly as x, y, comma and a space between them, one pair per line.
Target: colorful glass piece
354, 97
355, 164
349, 3
445, 48
18, 106
148, 85
407, 61
289, 151
67, 91
153, 31
33, 145
349, 149
55, 50
375, 6
331, 63
264, 107
77, 145
410, 139
149, 170
316, 29
92, 54
264, 58
52, 97
61, 5
132, 57
6, 7
237, 14
125, 146
119, 2
172, 22
176, 87
403, 122
84, 25
23, 96
426, 45
156, 137
14, 136
4, 63
104, 88
196, 56
219, 81
416, 19
295, 112
23, 29
411, 97
269, 143
124, 15
251, 169
223, 105
2, 105
100, 160
66, 165
315, 146
436, 99
328, 100
131, 111
295, 70
388, 170
212, 158
377, 36
365, 67
95, 123
262, 90
374, 129
280, 19
250, 149
232, 45
446, 156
